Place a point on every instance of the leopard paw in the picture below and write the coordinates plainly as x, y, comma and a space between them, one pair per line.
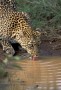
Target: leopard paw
9, 51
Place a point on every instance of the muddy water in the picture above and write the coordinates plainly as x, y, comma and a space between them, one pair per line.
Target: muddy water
43, 74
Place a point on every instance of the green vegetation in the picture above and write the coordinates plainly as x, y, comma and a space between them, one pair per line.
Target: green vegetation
44, 14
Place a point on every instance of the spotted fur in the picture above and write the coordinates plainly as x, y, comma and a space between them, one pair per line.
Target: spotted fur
14, 26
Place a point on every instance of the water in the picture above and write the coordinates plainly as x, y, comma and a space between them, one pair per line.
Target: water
43, 74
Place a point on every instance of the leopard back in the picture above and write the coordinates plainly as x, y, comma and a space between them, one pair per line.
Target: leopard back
14, 25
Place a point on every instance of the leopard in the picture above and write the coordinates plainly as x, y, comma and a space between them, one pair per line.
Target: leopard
15, 26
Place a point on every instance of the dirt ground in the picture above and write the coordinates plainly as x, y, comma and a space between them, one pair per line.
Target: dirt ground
43, 74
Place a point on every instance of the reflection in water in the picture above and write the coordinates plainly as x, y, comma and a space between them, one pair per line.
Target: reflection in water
44, 74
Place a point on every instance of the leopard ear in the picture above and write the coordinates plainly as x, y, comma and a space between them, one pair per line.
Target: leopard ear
38, 33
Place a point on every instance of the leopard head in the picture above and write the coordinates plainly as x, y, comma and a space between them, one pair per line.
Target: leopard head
30, 43
32, 47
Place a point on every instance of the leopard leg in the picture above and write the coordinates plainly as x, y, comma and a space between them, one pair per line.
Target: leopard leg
7, 47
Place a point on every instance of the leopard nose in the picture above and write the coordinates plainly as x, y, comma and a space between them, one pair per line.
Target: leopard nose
34, 58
